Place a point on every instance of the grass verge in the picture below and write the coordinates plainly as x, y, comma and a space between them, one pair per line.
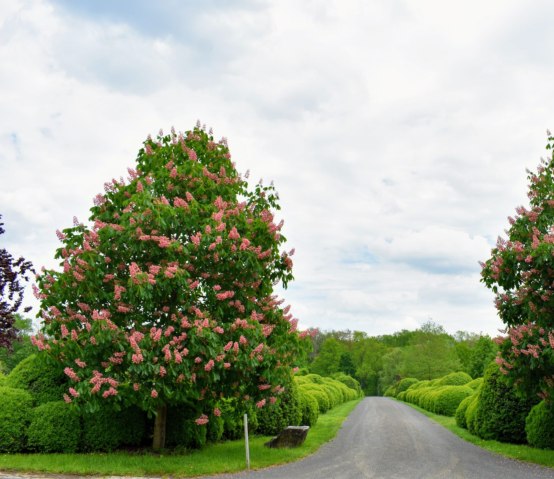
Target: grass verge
521, 452
219, 458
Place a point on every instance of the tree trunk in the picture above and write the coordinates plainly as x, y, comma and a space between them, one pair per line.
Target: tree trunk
159, 429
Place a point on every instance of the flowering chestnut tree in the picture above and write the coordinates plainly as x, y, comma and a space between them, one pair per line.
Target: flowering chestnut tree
168, 296
520, 272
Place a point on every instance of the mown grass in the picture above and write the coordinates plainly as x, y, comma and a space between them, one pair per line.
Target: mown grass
521, 452
219, 458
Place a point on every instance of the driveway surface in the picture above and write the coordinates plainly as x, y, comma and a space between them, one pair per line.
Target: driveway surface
385, 439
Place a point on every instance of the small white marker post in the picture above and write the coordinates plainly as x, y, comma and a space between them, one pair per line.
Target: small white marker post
246, 444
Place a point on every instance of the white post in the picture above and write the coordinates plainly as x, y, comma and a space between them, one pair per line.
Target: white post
246, 444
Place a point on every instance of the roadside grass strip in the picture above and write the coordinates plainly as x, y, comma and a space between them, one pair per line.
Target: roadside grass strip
225, 457
521, 452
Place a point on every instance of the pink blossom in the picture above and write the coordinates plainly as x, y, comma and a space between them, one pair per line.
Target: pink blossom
217, 412
202, 420
73, 392
71, 374
226, 365
109, 392
80, 363
64, 331
163, 371
260, 404
218, 330
66, 398
234, 234
243, 340
137, 358
209, 365
154, 393
244, 244
197, 360
228, 346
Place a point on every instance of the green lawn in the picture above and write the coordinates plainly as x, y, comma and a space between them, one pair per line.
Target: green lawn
520, 452
214, 459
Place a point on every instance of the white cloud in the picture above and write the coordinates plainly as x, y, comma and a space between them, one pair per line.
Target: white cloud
397, 133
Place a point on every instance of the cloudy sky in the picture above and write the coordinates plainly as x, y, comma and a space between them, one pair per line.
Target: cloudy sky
397, 132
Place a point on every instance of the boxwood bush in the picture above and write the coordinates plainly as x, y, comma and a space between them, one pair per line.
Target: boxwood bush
472, 414
54, 427
502, 411
45, 381
106, 429
461, 412
446, 399
15, 411
273, 418
539, 426
317, 391
454, 379
349, 381
309, 408
475, 384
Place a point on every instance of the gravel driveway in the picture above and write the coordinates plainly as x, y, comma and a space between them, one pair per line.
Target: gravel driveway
385, 439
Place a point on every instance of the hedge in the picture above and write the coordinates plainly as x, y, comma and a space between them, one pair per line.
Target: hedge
539, 426
54, 427
475, 384
106, 429
15, 411
45, 382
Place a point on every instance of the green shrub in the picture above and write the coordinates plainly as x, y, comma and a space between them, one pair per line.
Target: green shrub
448, 398
232, 413
454, 379
2, 380
106, 429
314, 378
501, 412
215, 429
272, 418
181, 428
15, 409
420, 384
309, 408
472, 414
475, 384
54, 427
390, 392
318, 393
45, 381
461, 412
539, 426
405, 384
350, 382
401, 396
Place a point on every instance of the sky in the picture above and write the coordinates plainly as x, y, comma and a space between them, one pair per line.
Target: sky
397, 133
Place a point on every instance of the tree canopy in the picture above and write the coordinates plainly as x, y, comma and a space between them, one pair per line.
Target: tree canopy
168, 297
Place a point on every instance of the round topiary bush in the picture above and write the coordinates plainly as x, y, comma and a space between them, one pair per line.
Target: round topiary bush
454, 379
405, 384
475, 384
349, 381
309, 408
461, 412
539, 426
318, 393
502, 411
390, 392
45, 381
272, 418
472, 410
15, 410
54, 427
448, 398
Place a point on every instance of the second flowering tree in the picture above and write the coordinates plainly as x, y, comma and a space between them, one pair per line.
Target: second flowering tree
520, 272
167, 296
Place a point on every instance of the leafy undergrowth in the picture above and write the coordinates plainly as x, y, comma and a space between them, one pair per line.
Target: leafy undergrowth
521, 452
220, 458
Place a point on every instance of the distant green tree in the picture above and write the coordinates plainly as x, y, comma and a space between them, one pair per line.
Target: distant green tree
346, 365
431, 354
327, 361
21, 346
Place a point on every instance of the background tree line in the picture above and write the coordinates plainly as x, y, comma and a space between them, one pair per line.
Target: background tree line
379, 361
